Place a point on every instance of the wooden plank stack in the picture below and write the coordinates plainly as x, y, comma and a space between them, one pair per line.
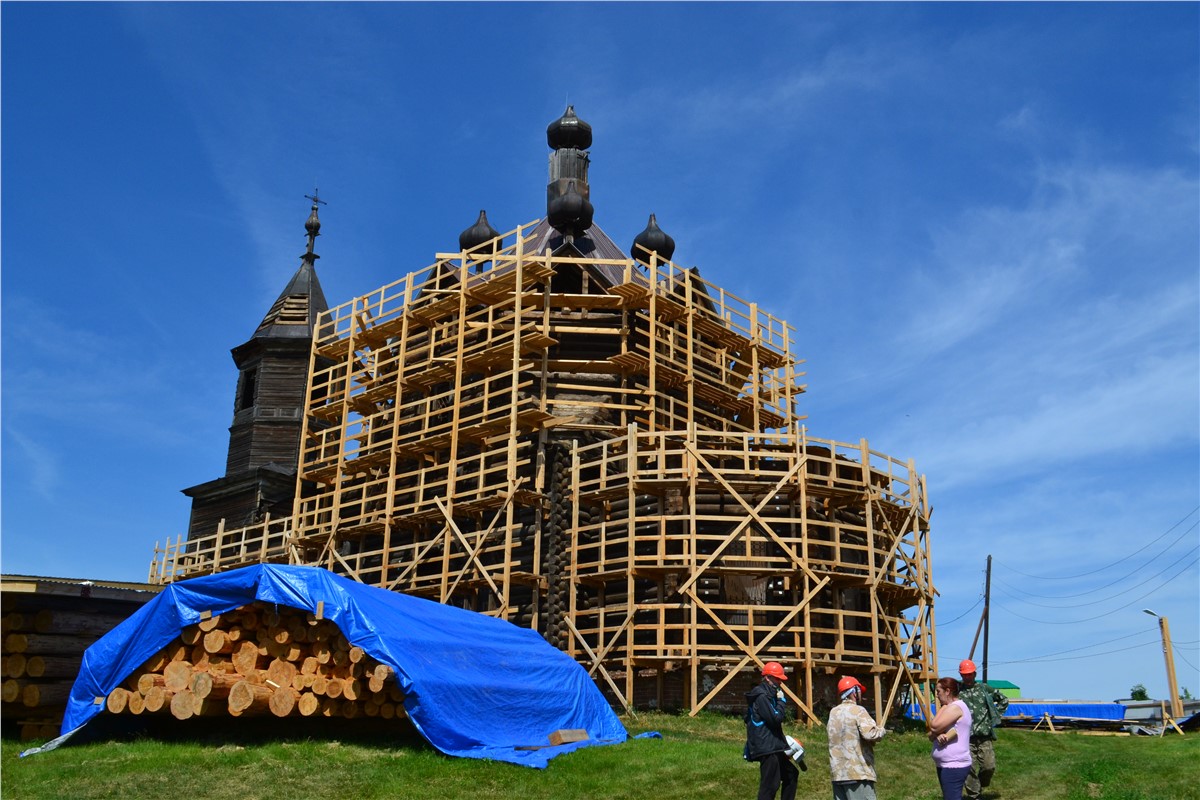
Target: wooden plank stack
40, 653
256, 660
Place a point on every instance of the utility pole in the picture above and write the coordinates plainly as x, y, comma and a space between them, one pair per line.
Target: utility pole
1165, 629
987, 617
983, 620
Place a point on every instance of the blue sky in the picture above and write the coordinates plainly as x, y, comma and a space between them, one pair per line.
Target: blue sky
982, 220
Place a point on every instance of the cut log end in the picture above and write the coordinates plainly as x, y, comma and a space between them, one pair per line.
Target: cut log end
183, 705
283, 700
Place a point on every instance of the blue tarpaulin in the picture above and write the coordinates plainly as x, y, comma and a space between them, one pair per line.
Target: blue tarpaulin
1020, 710
474, 686
1066, 710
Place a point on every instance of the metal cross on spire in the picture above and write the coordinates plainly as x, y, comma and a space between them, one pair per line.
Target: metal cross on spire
313, 225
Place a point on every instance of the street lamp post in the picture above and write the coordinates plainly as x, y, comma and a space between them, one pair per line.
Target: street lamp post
1165, 629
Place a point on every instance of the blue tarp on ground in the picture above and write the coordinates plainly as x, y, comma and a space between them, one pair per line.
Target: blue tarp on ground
474, 686
1083, 711
1036, 710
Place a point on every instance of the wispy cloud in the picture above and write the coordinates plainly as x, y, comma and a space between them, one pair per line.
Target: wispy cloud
77, 379
1085, 290
35, 463
990, 265
273, 112
785, 99
1152, 406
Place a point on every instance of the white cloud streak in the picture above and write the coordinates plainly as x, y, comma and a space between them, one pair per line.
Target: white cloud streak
1058, 332
36, 464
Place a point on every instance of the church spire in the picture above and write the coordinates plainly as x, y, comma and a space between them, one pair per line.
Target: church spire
269, 405
295, 312
313, 225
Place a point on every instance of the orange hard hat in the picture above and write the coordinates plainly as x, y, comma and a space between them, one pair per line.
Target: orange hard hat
966, 667
775, 670
847, 683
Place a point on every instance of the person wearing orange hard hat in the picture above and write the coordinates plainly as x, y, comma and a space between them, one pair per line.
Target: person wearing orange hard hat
987, 709
766, 708
852, 737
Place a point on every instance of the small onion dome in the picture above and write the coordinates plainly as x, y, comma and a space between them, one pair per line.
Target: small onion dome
569, 131
655, 240
477, 234
313, 225
570, 213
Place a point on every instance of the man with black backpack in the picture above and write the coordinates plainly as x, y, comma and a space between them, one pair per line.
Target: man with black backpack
765, 741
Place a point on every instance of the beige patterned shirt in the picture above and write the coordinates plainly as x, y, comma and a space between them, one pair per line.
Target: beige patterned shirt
852, 737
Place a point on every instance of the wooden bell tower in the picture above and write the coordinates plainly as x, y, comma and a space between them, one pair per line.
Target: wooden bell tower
268, 411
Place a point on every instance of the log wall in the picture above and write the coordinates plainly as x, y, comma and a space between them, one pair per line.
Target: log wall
45, 625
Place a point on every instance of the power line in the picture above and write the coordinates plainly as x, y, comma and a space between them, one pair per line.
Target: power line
1190, 664
960, 616
1049, 657
1077, 658
1101, 569
1075, 621
1165, 550
1104, 599
1076, 649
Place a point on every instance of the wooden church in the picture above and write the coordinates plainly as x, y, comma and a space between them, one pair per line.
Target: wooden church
597, 444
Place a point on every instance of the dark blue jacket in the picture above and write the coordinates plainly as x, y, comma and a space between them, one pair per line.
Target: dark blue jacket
764, 722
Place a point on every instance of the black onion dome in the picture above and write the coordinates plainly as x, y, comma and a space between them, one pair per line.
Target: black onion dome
655, 240
477, 234
569, 131
313, 224
571, 212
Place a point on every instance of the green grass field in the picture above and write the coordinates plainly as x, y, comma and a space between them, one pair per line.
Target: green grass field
697, 759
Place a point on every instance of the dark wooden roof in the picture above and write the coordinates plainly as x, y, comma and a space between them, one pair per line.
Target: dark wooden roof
593, 244
294, 313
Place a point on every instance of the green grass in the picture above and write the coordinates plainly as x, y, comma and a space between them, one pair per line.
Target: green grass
697, 759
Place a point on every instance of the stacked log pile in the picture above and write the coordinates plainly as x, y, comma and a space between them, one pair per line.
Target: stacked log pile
260, 659
40, 653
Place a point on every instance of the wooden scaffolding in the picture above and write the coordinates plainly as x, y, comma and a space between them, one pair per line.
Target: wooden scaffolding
608, 452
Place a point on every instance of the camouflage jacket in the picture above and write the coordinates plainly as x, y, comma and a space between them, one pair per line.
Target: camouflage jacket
852, 737
984, 719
